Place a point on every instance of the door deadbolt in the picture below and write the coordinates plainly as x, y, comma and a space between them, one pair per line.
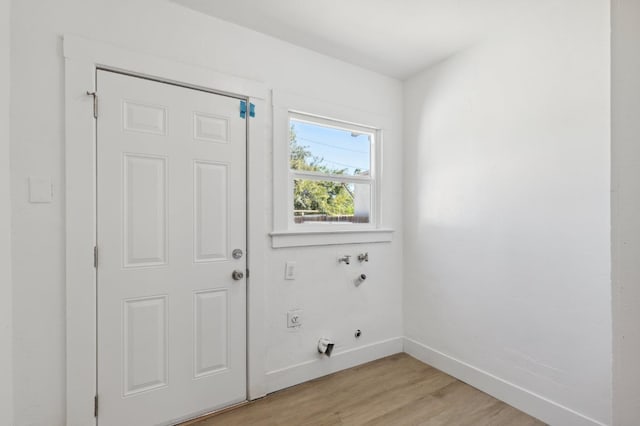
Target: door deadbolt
236, 253
237, 275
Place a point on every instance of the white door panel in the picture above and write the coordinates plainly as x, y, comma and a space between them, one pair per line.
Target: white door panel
171, 209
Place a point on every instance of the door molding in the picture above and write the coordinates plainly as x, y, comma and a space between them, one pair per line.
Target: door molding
82, 59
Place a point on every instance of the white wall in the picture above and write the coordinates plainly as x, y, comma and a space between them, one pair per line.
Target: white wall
6, 344
167, 30
625, 108
506, 214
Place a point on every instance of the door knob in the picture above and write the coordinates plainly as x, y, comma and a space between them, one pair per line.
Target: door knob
237, 275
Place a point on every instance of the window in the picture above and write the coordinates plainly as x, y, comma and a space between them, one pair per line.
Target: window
327, 185
331, 171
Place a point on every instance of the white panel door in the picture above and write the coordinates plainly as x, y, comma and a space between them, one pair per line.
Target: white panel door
171, 210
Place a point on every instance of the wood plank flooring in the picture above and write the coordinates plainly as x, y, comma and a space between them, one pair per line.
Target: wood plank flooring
397, 390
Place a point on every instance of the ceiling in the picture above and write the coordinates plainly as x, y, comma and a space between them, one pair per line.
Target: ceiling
394, 37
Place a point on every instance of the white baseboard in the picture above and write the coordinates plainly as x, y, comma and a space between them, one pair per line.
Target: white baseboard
303, 372
537, 406
522, 399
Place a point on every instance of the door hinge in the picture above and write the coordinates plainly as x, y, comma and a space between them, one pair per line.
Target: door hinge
95, 256
243, 109
95, 103
95, 406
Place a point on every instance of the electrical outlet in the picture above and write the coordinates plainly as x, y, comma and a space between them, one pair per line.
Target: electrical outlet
294, 318
290, 270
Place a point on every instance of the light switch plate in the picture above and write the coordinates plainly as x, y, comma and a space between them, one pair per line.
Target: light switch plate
40, 189
290, 270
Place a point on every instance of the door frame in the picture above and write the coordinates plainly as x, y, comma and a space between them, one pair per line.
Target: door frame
82, 60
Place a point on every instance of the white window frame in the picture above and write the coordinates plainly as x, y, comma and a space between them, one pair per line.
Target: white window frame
319, 176
286, 233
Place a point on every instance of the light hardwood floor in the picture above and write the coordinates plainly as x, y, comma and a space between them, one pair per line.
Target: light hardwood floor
397, 390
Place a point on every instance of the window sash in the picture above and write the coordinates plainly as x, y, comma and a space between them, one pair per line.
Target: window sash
303, 174
338, 125
339, 179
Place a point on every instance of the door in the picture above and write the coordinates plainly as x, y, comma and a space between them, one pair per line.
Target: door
171, 202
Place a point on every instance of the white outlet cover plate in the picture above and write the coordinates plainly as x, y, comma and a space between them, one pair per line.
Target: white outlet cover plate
294, 318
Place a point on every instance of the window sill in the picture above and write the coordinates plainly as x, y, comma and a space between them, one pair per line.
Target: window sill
330, 237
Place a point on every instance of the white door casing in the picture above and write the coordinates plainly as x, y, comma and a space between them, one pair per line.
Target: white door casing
82, 59
171, 208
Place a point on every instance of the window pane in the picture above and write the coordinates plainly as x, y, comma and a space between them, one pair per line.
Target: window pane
330, 202
318, 148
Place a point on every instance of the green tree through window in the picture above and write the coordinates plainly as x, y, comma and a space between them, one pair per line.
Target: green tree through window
317, 197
